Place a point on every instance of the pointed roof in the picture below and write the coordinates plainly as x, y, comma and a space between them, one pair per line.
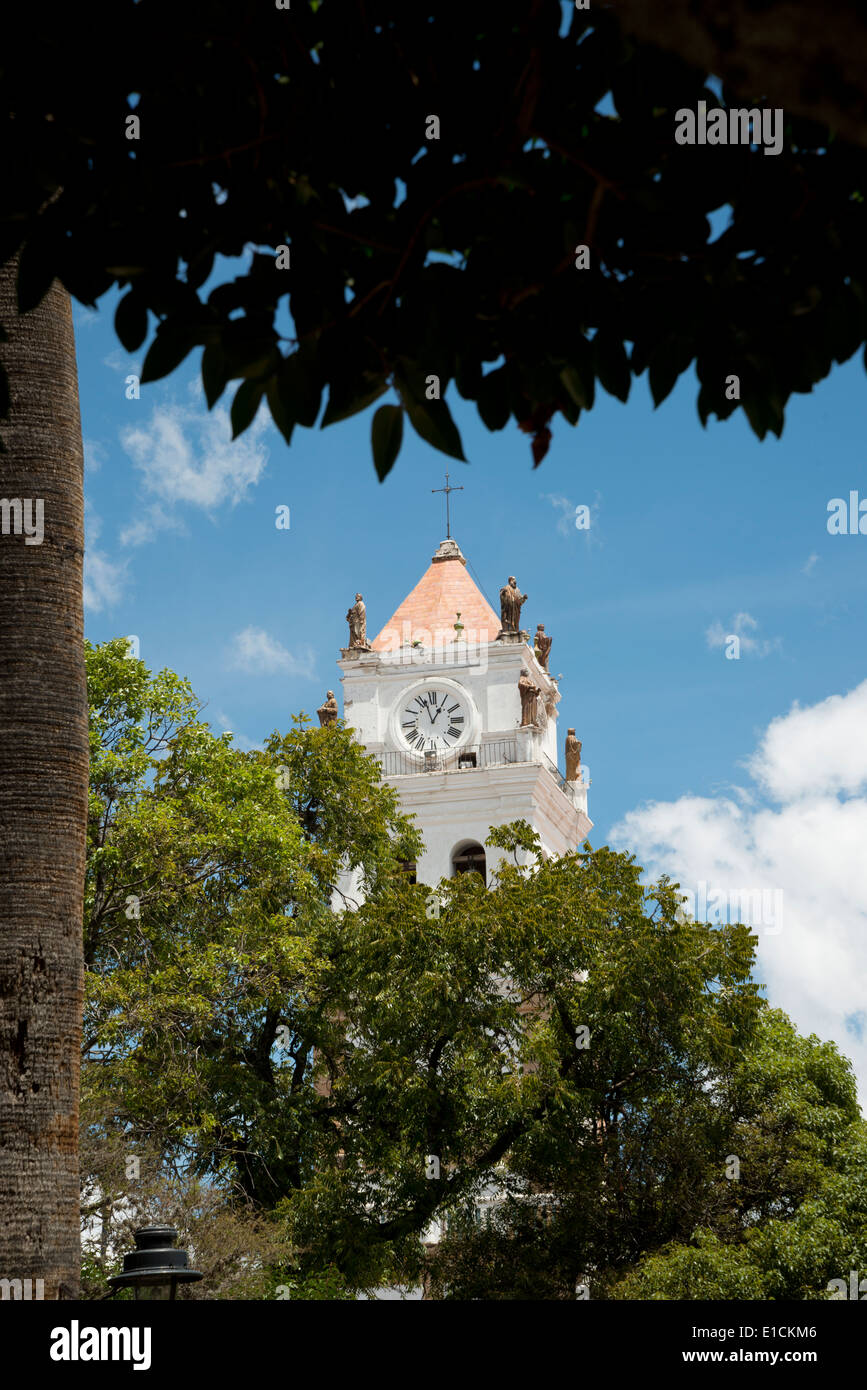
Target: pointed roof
429, 613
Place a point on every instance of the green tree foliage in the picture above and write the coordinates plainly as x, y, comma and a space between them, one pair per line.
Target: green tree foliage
208, 886
487, 1075
763, 1177
236, 1248
563, 1039
796, 1218
412, 257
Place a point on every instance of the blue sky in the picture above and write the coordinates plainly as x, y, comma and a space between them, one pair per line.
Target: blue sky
689, 528
699, 764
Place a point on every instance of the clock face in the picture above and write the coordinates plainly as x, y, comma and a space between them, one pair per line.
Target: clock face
433, 719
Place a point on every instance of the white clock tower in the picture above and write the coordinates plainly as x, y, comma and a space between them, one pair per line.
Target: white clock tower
435, 697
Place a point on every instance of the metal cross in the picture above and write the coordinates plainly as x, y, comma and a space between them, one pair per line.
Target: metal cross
447, 490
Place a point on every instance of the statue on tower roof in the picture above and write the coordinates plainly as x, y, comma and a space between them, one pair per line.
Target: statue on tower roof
542, 646
511, 603
328, 712
573, 757
529, 693
357, 619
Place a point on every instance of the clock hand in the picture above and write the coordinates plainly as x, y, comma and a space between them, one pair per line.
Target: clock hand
439, 709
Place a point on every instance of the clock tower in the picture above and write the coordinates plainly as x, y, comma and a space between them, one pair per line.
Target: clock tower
436, 698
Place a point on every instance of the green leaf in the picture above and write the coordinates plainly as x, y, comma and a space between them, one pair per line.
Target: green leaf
663, 372
215, 373
705, 405
386, 435
844, 332
167, 351
250, 350
468, 375
245, 405
348, 398
200, 267
300, 390
612, 364
280, 407
131, 321
432, 420
493, 399
580, 383
126, 272
764, 412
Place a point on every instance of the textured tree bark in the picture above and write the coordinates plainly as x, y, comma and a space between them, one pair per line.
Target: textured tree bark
808, 58
43, 797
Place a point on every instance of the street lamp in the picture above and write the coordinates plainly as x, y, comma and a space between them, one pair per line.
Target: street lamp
155, 1268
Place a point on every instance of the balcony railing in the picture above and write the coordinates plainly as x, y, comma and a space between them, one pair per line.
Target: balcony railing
555, 772
495, 754
499, 753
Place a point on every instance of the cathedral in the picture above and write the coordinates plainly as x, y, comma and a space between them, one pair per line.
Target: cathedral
460, 708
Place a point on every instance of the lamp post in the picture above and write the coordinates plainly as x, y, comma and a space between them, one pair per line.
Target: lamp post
155, 1268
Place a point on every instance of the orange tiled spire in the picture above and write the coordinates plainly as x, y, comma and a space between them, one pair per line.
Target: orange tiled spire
429, 613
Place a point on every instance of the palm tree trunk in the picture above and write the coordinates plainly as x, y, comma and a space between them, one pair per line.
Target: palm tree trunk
43, 794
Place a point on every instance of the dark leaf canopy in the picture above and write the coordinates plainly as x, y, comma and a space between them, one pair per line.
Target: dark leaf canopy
415, 191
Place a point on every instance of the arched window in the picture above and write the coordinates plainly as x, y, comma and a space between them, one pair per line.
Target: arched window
469, 859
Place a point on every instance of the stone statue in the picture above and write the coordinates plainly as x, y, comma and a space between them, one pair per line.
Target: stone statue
529, 697
357, 619
511, 602
328, 712
573, 757
542, 646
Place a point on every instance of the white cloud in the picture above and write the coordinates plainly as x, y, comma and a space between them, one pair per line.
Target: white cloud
104, 579
149, 521
255, 651
240, 740
822, 748
186, 455
811, 563
808, 848
95, 455
120, 361
568, 512
741, 625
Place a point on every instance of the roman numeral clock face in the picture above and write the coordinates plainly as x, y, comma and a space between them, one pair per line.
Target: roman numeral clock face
433, 720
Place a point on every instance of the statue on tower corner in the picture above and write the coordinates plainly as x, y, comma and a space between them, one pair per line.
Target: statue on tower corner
573, 757
511, 603
328, 712
529, 693
542, 646
357, 619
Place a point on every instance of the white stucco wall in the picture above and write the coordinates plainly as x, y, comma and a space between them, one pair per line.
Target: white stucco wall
453, 807
374, 683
